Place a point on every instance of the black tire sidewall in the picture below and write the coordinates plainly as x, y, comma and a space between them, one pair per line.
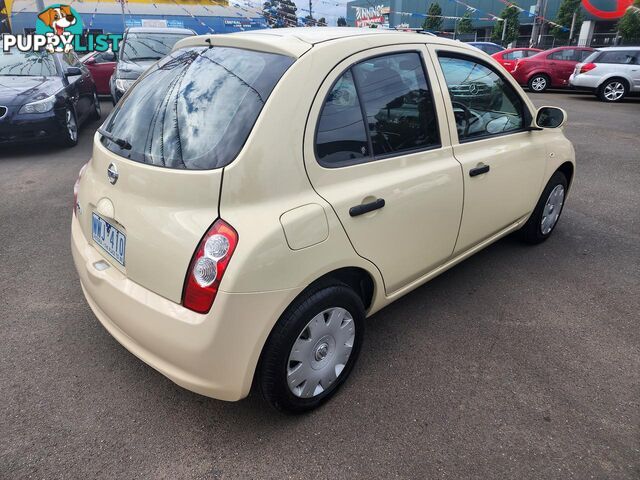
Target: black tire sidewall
275, 355
531, 232
538, 76
604, 85
67, 141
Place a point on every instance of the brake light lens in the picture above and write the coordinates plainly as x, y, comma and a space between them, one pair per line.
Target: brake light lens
587, 67
208, 265
76, 187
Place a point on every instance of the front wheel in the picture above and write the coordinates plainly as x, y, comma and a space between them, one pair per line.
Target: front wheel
312, 349
538, 83
70, 131
547, 212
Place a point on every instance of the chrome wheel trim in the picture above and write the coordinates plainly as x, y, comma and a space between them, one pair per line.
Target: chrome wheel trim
96, 103
613, 91
320, 353
539, 83
72, 126
552, 209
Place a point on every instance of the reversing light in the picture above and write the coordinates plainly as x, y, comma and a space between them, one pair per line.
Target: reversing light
208, 265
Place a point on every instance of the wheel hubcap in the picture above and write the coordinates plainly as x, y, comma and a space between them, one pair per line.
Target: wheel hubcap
320, 352
539, 83
614, 91
552, 209
72, 128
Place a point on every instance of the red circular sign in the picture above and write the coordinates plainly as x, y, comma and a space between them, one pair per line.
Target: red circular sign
621, 7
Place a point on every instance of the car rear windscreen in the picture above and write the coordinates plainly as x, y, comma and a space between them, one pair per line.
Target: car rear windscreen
195, 108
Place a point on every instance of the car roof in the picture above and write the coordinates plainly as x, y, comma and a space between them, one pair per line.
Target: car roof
160, 30
608, 49
298, 40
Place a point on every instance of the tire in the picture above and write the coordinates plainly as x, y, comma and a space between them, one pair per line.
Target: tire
97, 109
69, 136
613, 90
538, 83
545, 216
291, 374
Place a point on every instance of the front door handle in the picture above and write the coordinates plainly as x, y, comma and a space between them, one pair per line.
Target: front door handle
479, 170
366, 207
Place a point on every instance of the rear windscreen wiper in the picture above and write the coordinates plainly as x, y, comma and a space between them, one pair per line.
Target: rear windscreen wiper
123, 144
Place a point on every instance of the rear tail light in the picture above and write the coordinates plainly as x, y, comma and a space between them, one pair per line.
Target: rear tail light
208, 265
76, 187
587, 67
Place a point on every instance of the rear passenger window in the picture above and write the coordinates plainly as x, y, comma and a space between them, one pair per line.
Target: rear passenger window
483, 102
569, 54
392, 93
622, 57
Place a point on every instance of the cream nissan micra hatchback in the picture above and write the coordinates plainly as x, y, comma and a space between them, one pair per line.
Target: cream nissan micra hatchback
255, 196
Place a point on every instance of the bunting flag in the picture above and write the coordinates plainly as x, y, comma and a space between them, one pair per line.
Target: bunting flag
490, 15
200, 22
534, 16
446, 17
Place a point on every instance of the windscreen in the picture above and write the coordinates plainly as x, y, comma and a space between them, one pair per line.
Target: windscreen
27, 64
195, 108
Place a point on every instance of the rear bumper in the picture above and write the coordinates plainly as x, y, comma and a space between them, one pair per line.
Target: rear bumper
583, 82
214, 354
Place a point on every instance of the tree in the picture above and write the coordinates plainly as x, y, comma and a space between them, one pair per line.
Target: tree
629, 24
342, 22
565, 17
465, 25
510, 15
322, 22
433, 22
280, 13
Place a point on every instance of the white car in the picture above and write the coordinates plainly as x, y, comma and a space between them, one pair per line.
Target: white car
611, 73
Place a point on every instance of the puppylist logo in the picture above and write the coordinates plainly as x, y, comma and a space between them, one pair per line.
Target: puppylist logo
59, 29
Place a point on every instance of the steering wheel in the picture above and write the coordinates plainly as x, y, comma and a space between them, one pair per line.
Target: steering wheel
467, 116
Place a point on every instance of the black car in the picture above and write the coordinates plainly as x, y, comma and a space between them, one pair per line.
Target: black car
140, 48
44, 97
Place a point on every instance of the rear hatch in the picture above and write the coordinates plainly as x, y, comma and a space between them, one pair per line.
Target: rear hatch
152, 188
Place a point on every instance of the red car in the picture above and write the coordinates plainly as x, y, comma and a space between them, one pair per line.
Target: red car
101, 65
508, 58
551, 68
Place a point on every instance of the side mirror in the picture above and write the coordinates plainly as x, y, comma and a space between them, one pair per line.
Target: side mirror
550, 117
73, 72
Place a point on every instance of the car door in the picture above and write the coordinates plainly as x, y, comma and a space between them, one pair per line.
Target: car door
502, 161
562, 64
377, 149
634, 73
80, 86
102, 70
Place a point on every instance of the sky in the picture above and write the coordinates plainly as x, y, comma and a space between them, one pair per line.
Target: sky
331, 10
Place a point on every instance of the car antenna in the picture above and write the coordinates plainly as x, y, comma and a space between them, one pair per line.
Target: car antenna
208, 40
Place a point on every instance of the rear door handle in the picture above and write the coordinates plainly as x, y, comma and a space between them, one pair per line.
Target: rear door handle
479, 170
366, 207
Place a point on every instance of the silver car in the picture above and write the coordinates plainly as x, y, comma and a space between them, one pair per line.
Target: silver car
611, 73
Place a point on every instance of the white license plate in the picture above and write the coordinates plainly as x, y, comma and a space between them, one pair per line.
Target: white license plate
112, 240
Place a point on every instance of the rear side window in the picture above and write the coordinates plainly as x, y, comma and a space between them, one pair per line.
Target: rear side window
515, 55
195, 108
621, 57
568, 54
379, 107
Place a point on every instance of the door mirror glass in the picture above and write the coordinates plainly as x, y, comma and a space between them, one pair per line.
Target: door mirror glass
550, 117
73, 72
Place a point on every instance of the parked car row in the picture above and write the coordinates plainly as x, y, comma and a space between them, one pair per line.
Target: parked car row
611, 73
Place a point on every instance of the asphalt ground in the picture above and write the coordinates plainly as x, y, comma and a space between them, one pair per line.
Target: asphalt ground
521, 362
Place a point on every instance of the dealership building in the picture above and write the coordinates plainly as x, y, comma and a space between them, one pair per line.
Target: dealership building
595, 30
108, 16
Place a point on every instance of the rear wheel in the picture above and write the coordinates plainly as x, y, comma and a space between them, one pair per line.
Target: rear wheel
70, 132
547, 212
538, 83
312, 349
613, 90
